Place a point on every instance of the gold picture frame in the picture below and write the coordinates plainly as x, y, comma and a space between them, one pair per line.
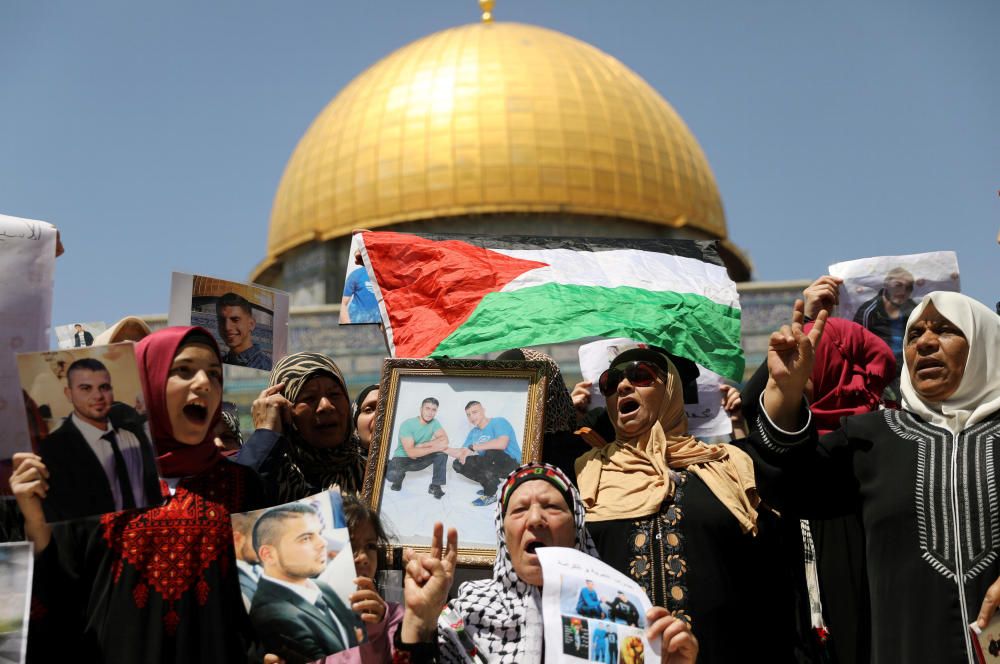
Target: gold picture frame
511, 397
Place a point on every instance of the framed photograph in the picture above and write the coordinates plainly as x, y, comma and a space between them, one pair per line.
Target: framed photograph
87, 420
296, 569
249, 322
359, 305
447, 434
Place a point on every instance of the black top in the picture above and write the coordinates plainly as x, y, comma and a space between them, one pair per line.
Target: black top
154, 585
929, 507
694, 559
82, 488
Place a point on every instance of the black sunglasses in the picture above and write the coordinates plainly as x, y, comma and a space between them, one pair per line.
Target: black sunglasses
639, 373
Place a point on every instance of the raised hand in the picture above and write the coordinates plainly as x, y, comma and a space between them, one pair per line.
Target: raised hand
732, 403
366, 602
679, 645
271, 410
581, 396
790, 356
428, 578
822, 294
29, 482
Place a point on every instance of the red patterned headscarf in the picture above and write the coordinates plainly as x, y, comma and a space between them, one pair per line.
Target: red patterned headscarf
852, 368
155, 355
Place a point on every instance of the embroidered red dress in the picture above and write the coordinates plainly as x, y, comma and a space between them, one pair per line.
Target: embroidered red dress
158, 585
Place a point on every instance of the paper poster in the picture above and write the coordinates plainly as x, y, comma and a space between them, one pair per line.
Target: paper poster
889, 286
16, 566
706, 418
78, 335
249, 322
27, 263
296, 572
592, 612
881, 292
359, 305
86, 418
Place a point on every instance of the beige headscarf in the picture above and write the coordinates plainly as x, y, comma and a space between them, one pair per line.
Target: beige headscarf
113, 334
630, 479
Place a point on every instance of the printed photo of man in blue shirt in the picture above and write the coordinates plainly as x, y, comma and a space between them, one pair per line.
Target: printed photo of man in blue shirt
489, 454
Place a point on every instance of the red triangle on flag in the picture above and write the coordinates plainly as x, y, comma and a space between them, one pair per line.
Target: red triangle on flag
431, 287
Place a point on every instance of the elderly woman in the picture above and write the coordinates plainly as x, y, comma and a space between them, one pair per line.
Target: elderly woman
681, 517
924, 477
499, 619
302, 443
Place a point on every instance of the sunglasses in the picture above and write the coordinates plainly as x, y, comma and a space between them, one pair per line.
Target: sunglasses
639, 373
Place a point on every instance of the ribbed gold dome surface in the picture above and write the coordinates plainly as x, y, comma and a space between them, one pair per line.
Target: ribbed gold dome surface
493, 117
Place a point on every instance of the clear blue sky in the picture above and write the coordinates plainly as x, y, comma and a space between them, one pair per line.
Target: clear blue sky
154, 134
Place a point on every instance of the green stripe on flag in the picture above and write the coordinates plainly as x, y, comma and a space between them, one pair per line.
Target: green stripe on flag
692, 326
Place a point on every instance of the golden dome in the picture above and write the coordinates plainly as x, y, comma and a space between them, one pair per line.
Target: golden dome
492, 118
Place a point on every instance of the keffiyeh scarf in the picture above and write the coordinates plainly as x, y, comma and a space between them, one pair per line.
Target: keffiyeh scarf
503, 615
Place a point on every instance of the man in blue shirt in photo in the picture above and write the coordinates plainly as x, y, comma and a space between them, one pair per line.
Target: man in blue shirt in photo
489, 454
359, 304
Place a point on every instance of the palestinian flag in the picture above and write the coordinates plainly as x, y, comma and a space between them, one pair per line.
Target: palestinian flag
457, 296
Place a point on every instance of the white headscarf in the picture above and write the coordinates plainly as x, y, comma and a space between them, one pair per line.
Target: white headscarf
978, 396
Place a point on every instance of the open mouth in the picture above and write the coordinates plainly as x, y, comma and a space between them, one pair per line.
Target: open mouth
627, 405
928, 365
532, 547
196, 412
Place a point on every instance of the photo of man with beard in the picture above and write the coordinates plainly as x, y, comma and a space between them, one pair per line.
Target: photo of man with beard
296, 616
96, 464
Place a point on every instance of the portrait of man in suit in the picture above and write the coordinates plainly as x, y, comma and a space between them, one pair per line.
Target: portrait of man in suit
296, 616
99, 459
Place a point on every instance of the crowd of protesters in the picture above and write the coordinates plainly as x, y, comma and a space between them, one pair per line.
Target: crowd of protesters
835, 526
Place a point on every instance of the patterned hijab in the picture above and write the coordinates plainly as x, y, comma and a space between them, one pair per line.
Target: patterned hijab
852, 368
978, 395
155, 355
307, 469
502, 615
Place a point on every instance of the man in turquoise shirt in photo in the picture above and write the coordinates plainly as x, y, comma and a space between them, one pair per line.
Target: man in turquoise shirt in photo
489, 454
422, 442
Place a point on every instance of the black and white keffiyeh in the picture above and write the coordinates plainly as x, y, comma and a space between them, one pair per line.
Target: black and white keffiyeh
503, 615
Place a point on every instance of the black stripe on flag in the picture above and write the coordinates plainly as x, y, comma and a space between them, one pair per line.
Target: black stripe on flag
702, 250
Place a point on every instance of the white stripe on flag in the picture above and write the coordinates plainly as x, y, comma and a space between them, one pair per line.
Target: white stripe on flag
627, 267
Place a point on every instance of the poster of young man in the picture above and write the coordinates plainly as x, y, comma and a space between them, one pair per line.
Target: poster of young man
249, 322
79, 335
87, 418
359, 305
296, 570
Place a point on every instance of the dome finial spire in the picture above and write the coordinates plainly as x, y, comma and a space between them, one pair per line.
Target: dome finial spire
487, 7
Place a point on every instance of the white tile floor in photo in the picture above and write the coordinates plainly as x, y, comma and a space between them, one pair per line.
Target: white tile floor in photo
410, 513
